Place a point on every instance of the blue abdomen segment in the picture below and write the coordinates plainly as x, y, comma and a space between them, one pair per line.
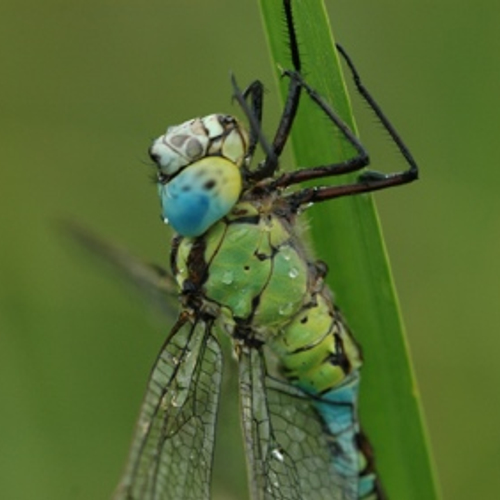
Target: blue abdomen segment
200, 195
338, 409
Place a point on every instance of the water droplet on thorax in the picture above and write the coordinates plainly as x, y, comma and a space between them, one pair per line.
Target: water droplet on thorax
227, 277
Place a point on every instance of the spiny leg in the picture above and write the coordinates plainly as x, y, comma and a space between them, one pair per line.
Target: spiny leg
368, 181
270, 164
365, 94
273, 151
362, 159
352, 164
256, 134
255, 93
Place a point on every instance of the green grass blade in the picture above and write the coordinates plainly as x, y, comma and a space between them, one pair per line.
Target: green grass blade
347, 235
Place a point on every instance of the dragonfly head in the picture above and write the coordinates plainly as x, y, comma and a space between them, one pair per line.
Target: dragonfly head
199, 171
213, 135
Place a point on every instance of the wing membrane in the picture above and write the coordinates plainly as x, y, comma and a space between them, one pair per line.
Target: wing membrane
172, 449
158, 286
289, 453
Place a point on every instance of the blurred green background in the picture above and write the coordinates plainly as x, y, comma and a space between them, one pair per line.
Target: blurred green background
85, 86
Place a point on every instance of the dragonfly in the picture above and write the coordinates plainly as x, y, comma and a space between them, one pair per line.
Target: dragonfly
241, 270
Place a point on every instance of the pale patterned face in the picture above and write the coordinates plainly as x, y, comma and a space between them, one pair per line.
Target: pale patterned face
199, 176
212, 135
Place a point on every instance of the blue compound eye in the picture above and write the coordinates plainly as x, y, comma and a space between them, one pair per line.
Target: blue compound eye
200, 195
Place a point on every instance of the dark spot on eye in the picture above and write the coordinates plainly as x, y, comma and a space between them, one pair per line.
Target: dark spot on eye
186, 188
304, 320
247, 268
209, 184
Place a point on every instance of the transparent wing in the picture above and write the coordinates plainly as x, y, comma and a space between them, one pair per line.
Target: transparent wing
289, 452
172, 449
155, 283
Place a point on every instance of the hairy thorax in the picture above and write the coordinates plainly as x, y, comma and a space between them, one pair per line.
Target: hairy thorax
251, 271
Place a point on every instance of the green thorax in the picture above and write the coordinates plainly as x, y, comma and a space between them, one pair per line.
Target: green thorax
251, 270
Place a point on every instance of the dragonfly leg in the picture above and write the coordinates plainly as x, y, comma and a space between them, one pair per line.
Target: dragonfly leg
365, 94
370, 180
367, 181
255, 93
269, 165
350, 165
254, 115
